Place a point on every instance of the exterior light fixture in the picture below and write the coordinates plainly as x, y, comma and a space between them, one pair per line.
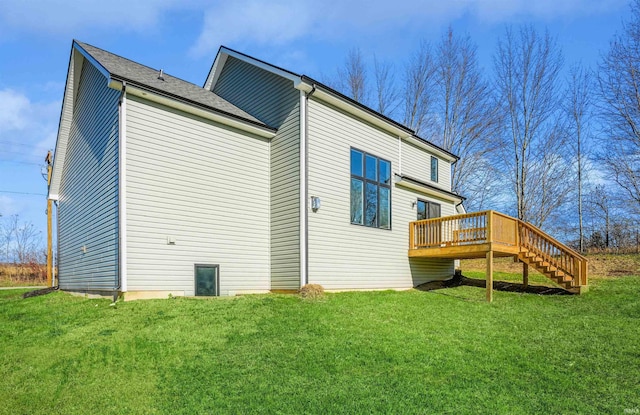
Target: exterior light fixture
315, 203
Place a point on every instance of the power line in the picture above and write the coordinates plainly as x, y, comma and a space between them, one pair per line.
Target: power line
22, 193
21, 162
19, 153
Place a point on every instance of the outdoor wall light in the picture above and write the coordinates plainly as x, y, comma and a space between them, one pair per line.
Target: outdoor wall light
315, 203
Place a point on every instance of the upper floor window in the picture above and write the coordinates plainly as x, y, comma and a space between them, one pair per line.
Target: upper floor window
434, 169
370, 190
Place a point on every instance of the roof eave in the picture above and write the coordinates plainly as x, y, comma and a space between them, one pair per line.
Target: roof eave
191, 107
423, 187
329, 95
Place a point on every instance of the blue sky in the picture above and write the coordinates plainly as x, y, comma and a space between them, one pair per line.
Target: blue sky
182, 37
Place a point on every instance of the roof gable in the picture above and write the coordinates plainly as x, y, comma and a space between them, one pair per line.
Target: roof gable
121, 68
326, 94
145, 82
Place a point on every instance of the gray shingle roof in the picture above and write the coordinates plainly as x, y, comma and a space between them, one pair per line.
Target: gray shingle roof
134, 72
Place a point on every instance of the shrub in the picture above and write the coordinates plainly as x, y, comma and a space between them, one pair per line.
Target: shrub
312, 291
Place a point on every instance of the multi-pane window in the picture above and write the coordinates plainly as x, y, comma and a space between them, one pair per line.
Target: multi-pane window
370, 190
428, 210
434, 169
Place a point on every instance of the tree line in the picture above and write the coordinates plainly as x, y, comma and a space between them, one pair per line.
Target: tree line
553, 144
22, 256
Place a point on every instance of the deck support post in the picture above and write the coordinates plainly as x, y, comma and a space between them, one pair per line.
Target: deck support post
525, 274
490, 276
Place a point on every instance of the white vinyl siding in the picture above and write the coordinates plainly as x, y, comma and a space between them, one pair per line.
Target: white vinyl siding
346, 256
206, 186
274, 101
88, 204
416, 163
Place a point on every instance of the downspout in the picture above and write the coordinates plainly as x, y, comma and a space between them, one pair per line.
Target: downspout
399, 156
304, 184
56, 280
122, 195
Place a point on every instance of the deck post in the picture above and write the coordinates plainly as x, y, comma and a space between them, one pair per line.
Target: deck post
412, 236
525, 274
490, 276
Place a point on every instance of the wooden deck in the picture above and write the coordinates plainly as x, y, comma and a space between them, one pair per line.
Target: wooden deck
490, 234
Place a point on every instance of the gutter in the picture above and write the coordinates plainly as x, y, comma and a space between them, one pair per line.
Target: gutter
416, 184
192, 107
304, 184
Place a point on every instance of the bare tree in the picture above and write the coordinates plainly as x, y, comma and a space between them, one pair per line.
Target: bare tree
619, 86
352, 77
27, 239
385, 88
467, 118
527, 67
418, 83
578, 112
6, 236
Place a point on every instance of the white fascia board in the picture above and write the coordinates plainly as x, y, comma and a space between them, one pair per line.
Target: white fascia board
190, 109
360, 113
221, 59
427, 190
94, 62
215, 71
64, 125
76, 61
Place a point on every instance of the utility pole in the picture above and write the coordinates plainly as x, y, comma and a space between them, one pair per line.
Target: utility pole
49, 160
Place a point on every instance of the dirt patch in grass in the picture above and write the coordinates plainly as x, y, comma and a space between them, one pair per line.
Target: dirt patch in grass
458, 281
600, 265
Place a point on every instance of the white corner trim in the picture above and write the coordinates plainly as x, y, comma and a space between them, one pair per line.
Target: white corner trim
303, 189
53, 197
122, 190
399, 155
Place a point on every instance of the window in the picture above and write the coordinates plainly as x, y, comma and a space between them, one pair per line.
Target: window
207, 280
428, 210
434, 169
370, 190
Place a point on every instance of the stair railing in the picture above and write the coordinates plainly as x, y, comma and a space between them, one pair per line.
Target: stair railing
553, 252
496, 228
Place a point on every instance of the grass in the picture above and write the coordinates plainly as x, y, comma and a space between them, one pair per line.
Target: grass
444, 351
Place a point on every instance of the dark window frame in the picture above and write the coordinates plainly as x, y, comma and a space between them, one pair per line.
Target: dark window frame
376, 182
195, 279
434, 172
427, 203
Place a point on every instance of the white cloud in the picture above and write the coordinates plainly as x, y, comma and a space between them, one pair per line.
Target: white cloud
27, 129
13, 110
69, 16
233, 21
273, 23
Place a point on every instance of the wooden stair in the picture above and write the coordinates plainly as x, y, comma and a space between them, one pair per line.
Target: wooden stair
553, 259
488, 234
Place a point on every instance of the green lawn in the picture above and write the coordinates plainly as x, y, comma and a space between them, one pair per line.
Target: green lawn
444, 351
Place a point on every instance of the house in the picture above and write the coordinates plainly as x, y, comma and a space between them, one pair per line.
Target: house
261, 180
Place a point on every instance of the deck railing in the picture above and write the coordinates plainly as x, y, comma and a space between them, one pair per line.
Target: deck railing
467, 229
498, 229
